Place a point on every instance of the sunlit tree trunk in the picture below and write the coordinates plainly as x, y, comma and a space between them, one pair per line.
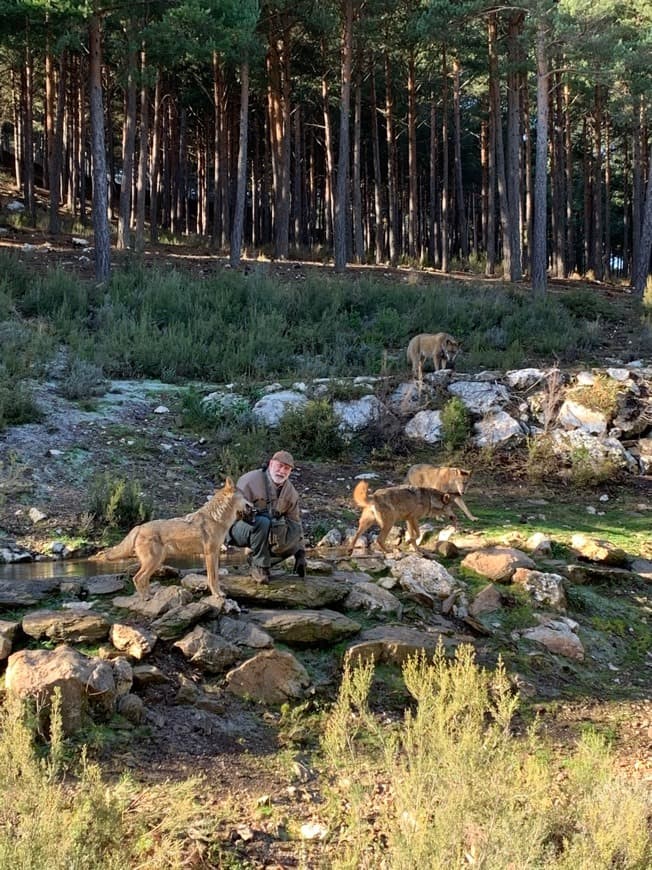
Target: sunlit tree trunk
342, 198
237, 232
539, 248
100, 205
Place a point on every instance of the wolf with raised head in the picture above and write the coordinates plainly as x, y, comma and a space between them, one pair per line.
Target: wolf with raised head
441, 348
202, 531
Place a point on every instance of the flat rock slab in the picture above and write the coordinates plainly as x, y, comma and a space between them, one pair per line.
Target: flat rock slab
26, 593
394, 644
286, 589
599, 575
305, 626
66, 625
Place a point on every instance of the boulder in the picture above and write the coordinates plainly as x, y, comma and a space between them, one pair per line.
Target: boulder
394, 644
270, 677
545, 589
133, 640
270, 409
487, 600
373, 598
425, 426
175, 621
424, 579
497, 427
596, 550
209, 651
161, 599
497, 563
305, 626
87, 685
559, 636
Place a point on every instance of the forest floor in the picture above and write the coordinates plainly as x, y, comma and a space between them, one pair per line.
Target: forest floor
246, 754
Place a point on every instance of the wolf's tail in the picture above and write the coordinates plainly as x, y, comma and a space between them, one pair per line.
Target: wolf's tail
123, 550
360, 497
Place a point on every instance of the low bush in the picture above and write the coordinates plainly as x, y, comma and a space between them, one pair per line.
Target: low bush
312, 431
117, 503
455, 424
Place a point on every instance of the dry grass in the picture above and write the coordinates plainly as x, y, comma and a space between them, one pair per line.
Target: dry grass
451, 786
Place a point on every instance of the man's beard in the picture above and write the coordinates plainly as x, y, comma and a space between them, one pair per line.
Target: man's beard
278, 477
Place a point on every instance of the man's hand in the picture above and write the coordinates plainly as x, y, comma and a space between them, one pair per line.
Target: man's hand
300, 563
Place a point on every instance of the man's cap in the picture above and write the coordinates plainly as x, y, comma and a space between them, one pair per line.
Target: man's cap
284, 457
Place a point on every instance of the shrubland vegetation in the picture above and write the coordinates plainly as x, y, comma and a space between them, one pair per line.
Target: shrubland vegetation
150, 323
459, 779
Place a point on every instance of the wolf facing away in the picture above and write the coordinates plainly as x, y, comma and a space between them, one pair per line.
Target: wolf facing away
203, 531
385, 507
441, 348
443, 479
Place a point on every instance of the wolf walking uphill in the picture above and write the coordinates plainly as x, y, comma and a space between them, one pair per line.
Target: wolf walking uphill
203, 531
443, 479
276, 531
441, 348
385, 507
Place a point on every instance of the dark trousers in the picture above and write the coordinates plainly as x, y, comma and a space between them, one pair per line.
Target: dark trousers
255, 536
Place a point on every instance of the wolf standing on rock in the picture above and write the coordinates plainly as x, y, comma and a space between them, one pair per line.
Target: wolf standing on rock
276, 531
441, 348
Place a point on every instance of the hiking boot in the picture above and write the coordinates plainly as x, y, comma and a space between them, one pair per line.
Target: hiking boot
260, 574
300, 563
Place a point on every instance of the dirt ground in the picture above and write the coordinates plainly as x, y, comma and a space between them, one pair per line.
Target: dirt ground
242, 751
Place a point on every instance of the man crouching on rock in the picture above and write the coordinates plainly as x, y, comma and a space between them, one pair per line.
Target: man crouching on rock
276, 531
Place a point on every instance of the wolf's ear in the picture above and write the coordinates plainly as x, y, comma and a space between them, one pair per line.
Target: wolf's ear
445, 497
229, 485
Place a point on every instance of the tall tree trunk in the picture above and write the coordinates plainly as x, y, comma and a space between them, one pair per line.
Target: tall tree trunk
155, 169
143, 156
298, 220
27, 90
598, 224
380, 250
100, 205
571, 256
16, 103
445, 183
128, 145
587, 248
641, 269
278, 91
55, 152
413, 206
515, 29
433, 211
462, 229
392, 209
329, 180
237, 232
358, 233
342, 197
557, 176
539, 249
490, 269
607, 200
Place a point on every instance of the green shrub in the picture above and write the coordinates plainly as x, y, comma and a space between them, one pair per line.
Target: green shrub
118, 503
312, 431
542, 462
81, 380
588, 471
17, 405
455, 424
